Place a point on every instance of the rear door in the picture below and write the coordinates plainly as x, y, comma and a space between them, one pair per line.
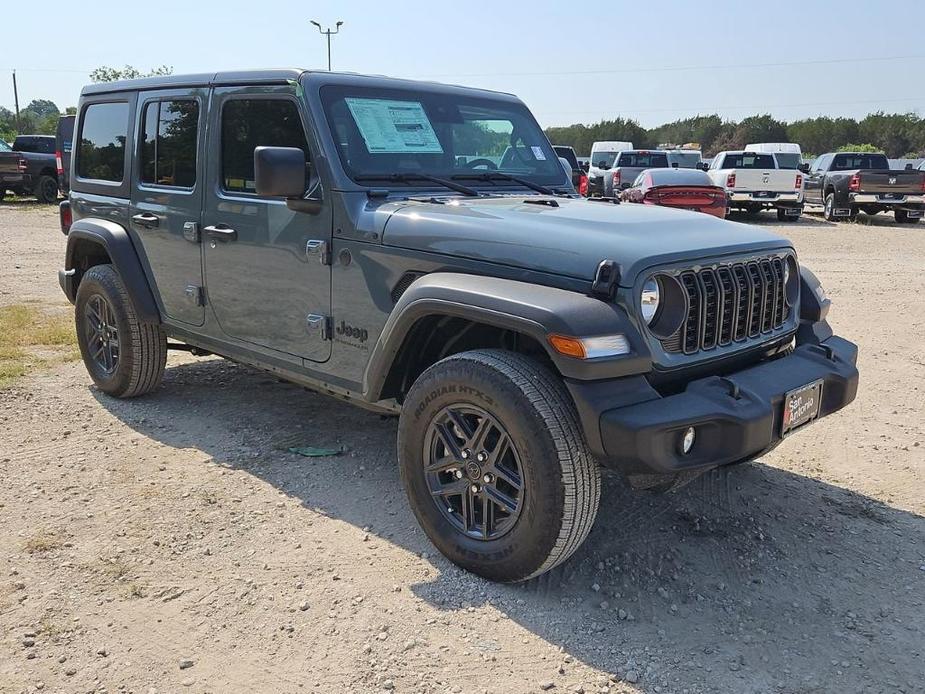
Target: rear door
812, 186
267, 273
167, 184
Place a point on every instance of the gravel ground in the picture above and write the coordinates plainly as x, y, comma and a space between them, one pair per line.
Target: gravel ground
171, 543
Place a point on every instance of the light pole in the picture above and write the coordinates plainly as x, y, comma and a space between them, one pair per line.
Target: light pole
328, 33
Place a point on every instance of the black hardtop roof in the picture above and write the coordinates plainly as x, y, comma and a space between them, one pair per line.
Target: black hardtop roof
277, 76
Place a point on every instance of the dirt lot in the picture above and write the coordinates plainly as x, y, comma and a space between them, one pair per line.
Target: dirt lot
171, 543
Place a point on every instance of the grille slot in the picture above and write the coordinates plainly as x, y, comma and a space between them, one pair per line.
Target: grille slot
730, 304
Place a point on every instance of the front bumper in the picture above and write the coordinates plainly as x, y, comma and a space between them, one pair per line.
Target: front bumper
643, 438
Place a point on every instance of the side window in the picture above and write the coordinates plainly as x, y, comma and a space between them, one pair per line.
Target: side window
169, 143
251, 123
101, 149
717, 161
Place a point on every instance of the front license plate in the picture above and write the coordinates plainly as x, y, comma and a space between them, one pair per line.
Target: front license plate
801, 406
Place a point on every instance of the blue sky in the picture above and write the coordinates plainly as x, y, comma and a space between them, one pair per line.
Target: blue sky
652, 61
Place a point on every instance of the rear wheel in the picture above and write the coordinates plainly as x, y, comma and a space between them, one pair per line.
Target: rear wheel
495, 466
124, 356
46, 190
782, 216
829, 210
902, 217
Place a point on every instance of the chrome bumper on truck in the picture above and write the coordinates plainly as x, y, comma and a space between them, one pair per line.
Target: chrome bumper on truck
734, 418
792, 198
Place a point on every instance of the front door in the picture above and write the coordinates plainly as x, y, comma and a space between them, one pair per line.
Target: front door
167, 185
267, 279
812, 185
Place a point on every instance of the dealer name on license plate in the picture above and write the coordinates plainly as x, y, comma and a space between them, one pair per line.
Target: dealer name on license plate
801, 406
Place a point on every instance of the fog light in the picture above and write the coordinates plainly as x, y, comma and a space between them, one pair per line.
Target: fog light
687, 440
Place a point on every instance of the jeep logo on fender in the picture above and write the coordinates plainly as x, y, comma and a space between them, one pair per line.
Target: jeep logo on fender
345, 330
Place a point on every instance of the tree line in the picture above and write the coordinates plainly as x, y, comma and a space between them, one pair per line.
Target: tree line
40, 116
898, 135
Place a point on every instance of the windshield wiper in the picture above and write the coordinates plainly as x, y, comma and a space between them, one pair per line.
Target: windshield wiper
408, 177
490, 176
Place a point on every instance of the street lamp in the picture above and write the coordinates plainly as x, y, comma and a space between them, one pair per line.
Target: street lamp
328, 33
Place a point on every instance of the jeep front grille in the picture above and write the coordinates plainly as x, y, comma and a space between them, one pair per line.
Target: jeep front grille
732, 303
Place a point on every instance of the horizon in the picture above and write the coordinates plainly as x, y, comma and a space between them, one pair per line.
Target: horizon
657, 73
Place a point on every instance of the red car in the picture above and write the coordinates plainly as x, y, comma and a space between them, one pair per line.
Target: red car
683, 189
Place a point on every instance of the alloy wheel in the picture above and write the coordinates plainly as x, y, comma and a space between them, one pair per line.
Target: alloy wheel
102, 333
473, 471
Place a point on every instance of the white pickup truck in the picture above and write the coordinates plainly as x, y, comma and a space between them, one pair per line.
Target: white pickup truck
754, 181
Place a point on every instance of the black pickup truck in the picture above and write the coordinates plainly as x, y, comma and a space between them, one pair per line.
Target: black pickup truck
844, 183
29, 168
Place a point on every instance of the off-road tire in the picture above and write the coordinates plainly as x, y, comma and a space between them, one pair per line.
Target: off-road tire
142, 346
902, 217
561, 479
46, 190
782, 216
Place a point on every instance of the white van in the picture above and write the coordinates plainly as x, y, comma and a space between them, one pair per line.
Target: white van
602, 158
788, 154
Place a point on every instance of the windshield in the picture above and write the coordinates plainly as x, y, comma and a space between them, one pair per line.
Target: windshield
645, 160
685, 160
847, 162
603, 160
748, 160
788, 160
401, 133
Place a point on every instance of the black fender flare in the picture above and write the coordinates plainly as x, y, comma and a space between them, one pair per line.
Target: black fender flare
114, 239
531, 309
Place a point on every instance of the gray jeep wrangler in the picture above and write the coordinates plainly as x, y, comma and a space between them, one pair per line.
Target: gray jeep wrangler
417, 249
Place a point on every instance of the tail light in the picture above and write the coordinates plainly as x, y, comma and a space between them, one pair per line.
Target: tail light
23, 165
583, 185
731, 180
799, 183
616, 179
65, 216
59, 163
854, 184
651, 196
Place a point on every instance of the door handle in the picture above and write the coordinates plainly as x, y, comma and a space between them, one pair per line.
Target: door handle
146, 220
221, 232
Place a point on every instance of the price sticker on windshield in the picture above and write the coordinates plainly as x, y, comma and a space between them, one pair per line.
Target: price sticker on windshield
389, 126
538, 153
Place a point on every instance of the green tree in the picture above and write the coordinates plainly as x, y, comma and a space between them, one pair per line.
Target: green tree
859, 148
104, 73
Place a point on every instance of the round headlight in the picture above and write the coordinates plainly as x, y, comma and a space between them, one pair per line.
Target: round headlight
648, 304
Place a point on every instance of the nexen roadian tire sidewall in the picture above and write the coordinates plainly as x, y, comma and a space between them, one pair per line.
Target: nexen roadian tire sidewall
521, 551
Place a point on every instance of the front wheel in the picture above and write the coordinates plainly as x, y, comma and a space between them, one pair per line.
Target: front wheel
495, 465
124, 356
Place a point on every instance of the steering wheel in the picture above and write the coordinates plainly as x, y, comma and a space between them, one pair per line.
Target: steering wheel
487, 163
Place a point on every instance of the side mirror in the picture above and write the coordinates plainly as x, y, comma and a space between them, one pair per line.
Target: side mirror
702, 165
279, 171
674, 165
804, 168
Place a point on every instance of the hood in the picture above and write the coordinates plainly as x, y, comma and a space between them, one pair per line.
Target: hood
571, 238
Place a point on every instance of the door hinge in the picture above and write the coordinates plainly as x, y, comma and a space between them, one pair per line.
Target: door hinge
195, 295
605, 280
324, 324
320, 248
191, 231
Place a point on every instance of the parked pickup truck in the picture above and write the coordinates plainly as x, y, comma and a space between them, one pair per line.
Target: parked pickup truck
754, 181
843, 183
29, 168
628, 165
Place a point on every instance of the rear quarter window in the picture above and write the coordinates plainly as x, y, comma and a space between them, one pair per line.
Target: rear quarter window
101, 149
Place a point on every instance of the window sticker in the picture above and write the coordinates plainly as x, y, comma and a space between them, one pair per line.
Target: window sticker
394, 127
538, 153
